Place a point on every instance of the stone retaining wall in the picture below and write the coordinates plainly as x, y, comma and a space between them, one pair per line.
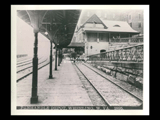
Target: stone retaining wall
132, 76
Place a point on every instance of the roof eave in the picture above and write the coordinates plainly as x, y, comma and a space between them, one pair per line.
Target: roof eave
105, 30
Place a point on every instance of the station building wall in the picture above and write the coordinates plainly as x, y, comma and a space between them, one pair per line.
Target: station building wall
95, 48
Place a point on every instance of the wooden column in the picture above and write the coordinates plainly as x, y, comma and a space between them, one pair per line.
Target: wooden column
36, 18
50, 70
83, 38
109, 38
34, 97
59, 57
129, 39
98, 37
56, 59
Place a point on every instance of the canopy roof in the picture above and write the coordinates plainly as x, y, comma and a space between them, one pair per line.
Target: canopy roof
57, 25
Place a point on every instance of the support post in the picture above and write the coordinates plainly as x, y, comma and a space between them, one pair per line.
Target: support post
98, 37
59, 57
56, 59
50, 70
129, 39
34, 97
109, 38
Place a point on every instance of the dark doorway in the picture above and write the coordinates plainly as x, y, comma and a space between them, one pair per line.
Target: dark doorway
102, 50
103, 54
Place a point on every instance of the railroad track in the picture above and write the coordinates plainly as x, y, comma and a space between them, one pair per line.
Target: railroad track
94, 96
31, 66
23, 59
114, 96
116, 82
29, 72
26, 62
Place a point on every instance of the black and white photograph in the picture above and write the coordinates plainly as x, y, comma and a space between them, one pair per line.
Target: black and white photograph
79, 59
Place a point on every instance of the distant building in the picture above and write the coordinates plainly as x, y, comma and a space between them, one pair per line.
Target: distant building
97, 34
133, 17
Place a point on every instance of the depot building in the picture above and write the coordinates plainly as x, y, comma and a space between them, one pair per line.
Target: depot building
96, 34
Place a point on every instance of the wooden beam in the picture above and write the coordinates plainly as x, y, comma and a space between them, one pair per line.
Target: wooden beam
64, 13
61, 16
71, 23
64, 33
50, 23
59, 19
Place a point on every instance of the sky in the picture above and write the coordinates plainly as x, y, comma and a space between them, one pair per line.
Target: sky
25, 40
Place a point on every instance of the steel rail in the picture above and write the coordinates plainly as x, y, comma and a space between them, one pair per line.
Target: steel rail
30, 66
93, 86
32, 72
108, 104
116, 84
27, 63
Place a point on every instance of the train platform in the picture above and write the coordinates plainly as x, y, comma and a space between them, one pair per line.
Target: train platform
65, 89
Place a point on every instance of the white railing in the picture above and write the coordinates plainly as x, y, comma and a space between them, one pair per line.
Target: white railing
127, 40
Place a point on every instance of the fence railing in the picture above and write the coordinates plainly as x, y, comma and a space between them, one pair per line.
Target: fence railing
21, 55
133, 54
126, 40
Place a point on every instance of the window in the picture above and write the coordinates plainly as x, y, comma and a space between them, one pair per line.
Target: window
101, 36
139, 16
91, 37
139, 25
116, 26
94, 24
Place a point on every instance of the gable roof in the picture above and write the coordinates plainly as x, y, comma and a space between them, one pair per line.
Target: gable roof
124, 26
110, 26
94, 19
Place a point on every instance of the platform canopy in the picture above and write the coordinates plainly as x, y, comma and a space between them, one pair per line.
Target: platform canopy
57, 25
